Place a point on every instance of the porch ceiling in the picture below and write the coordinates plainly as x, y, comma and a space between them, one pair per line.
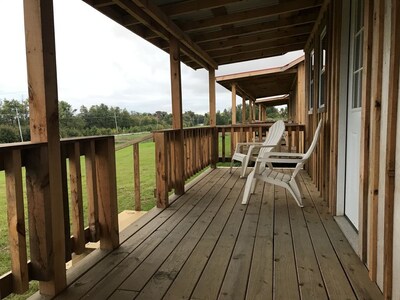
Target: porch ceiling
263, 83
216, 32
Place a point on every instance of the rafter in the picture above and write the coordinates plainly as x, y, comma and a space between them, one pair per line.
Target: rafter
259, 54
164, 21
258, 38
184, 7
259, 13
264, 45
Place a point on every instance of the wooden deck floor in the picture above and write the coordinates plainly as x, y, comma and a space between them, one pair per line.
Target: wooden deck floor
207, 245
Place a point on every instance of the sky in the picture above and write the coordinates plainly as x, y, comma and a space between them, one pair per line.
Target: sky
99, 61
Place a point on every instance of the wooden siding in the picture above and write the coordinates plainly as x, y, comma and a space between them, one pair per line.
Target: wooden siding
208, 245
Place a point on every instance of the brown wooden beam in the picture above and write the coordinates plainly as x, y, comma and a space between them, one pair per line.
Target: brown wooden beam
260, 46
258, 13
157, 16
184, 7
44, 125
212, 96
177, 123
259, 54
258, 38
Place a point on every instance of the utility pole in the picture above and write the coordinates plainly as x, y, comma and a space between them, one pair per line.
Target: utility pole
19, 125
116, 124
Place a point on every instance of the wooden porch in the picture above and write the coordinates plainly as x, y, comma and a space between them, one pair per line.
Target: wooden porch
206, 245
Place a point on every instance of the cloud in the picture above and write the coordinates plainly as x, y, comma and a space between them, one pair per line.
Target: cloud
99, 61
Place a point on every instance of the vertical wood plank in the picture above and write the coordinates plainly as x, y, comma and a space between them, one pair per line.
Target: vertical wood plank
65, 196
107, 193
136, 175
16, 221
223, 144
44, 125
161, 170
75, 181
391, 149
40, 229
91, 188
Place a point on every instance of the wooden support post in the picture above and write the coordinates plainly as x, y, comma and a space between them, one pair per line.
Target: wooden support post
91, 187
65, 196
161, 170
243, 110
75, 180
251, 111
259, 112
44, 125
233, 103
211, 89
176, 91
107, 193
136, 175
16, 221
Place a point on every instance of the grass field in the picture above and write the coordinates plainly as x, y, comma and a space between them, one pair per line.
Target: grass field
125, 191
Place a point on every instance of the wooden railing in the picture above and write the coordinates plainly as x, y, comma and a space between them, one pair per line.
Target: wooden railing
136, 165
182, 153
99, 157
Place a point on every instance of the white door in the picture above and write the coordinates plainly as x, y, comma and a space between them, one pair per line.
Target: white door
353, 134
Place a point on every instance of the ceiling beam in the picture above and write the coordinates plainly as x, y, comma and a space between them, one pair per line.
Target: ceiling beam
259, 54
259, 13
260, 46
288, 22
258, 38
162, 20
184, 7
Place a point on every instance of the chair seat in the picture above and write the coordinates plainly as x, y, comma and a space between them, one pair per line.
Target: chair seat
239, 156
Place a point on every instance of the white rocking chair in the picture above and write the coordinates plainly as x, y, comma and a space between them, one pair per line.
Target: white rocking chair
255, 149
268, 174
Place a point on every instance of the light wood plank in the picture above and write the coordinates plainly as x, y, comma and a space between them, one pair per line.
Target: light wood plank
16, 221
123, 295
236, 277
285, 273
260, 280
75, 179
163, 277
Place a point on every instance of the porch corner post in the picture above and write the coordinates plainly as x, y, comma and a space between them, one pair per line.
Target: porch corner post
177, 123
244, 110
44, 183
213, 117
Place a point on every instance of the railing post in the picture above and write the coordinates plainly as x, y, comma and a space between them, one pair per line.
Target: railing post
179, 163
75, 177
107, 193
16, 221
161, 169
214, 147
136, 175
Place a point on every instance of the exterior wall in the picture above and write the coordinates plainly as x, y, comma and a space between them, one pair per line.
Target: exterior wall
379, 231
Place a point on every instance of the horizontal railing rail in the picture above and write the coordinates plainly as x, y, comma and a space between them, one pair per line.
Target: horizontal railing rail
98, 154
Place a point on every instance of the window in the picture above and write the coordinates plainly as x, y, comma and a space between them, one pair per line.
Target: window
311, 81
358, 38
322, 69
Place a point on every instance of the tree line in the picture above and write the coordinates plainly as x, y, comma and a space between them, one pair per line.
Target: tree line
105, 120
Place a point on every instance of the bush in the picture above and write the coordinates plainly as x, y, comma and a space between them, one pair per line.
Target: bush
9, 134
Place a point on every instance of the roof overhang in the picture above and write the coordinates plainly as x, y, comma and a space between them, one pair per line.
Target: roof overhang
216, 32
263, 83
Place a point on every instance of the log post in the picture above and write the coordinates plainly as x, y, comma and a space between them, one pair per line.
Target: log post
44, 125
136, 174
211, 89
161, 170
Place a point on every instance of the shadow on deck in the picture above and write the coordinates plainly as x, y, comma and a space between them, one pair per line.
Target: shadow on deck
207, 245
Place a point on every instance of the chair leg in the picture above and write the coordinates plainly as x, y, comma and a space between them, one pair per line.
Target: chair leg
247, 188
295, 191
245, 162
230, 170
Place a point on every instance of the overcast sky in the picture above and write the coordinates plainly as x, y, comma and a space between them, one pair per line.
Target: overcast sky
98, 61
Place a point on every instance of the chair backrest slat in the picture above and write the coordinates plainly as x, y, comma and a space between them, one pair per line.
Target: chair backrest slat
274, 136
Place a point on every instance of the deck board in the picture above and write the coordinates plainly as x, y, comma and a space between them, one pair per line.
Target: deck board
207, 245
